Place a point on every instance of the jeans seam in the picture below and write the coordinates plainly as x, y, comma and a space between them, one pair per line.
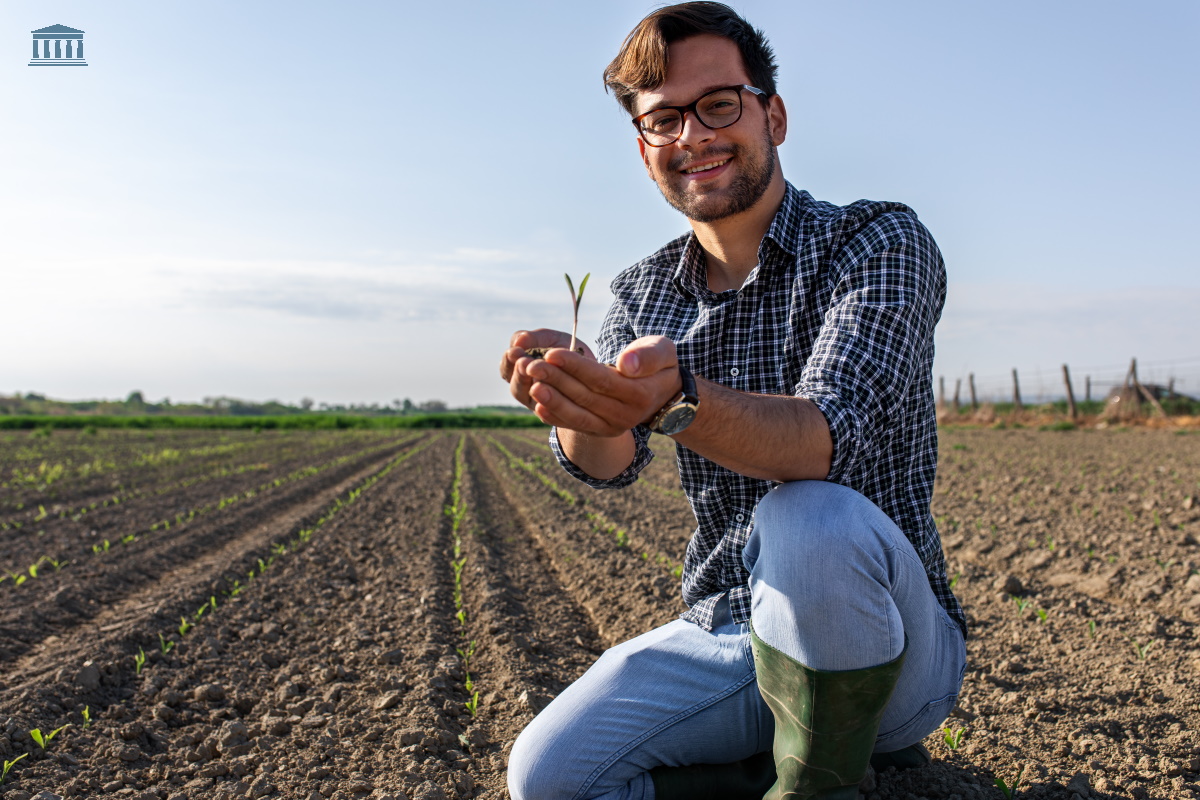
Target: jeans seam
690, 711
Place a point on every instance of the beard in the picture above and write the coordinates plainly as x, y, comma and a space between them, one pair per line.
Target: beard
755, 170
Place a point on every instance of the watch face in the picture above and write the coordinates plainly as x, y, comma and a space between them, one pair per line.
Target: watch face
677, 419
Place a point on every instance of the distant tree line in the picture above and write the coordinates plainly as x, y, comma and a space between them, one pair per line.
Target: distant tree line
34, 404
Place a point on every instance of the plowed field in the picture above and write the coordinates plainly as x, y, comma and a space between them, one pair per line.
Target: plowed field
364, 614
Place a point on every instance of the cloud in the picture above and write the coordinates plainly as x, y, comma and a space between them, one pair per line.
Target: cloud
455, 287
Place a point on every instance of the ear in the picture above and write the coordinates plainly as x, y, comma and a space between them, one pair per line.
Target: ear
777, 120
645, 156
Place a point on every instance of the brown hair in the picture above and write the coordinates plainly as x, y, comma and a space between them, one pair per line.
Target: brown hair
641, 65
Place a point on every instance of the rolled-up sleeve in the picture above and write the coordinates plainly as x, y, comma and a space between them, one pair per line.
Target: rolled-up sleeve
889, 285
615, 334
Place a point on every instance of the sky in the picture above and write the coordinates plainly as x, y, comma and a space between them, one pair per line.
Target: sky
360, 201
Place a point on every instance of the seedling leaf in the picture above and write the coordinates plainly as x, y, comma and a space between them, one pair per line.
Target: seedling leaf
8, 765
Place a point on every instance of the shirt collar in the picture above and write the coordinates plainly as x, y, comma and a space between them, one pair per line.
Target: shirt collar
690, 276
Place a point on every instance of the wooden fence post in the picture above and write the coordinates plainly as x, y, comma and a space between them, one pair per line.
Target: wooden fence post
1087, 382
971, 384
1016, 391
1070, 392
957, 386
941, 391
1143, 391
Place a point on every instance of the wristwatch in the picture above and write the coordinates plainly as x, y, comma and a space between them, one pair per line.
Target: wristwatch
681, 410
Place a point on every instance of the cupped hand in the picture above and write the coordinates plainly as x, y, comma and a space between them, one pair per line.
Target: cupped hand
576, 392
515, 362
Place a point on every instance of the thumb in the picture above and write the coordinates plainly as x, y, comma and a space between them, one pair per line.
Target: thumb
646, 356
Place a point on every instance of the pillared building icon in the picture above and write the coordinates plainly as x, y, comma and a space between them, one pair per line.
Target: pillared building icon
57, 46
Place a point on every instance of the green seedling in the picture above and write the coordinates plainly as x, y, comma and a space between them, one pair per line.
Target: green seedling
128, 538
1042, 615
953, 738
1021, 602
8, 765
43, 740
1010, 792
461, 616
164, 644
1164, 565
472, 705
576, 299
184, 626
20, 579
1050, 543
466, 653
1091, 629
33, 570
1142, 650
87, 717
622, 538
139, 661
954, 580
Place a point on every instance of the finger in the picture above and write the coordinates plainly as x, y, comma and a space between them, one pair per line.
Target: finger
580, 394
599, 378
541, 337
556, 409
646, 356
518, 386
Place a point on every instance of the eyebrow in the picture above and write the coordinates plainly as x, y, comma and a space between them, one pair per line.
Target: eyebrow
703, 92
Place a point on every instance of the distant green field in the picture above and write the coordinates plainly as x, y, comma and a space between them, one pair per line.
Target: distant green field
290, 421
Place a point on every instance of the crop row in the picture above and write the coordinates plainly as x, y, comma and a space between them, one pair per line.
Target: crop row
163, 641
33, 485
600, 521
19, 578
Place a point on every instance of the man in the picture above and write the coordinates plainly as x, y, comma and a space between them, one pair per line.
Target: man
786, 345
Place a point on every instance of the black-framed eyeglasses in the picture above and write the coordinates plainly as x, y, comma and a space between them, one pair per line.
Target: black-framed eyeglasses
719, 108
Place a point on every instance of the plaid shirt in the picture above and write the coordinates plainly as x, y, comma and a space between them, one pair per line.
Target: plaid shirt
840, 310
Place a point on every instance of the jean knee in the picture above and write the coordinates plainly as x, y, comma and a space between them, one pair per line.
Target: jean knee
531, 768
809, 519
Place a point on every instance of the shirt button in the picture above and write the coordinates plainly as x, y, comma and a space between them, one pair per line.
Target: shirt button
735, 372
740, 517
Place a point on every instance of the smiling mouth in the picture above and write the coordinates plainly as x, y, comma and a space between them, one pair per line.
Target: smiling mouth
706, 167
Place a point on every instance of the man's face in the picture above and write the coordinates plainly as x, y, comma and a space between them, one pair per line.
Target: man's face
743, 153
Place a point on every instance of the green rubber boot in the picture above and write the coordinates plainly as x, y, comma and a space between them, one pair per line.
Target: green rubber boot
748, 779
825, 722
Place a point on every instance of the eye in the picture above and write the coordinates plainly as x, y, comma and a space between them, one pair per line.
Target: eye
661, 122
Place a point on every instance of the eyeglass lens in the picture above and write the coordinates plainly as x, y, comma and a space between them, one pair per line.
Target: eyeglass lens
720, 109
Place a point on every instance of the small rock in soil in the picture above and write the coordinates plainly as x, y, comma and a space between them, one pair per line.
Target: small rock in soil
429, 791
89, 677
210, 691
1010, 584
389, 700
392, 656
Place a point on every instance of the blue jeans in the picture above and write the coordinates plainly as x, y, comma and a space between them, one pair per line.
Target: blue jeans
834, 584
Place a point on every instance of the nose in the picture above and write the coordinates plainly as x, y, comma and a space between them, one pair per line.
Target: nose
694, 131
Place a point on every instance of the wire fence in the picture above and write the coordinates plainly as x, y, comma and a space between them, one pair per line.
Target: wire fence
1046, 384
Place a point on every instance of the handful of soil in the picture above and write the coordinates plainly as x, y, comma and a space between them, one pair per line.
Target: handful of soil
540, 352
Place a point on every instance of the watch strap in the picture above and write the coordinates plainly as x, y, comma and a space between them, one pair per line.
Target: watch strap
688, 395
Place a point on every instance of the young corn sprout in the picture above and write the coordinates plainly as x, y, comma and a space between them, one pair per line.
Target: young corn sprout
44, 739
139, 661
576, 299
8, 765
953, 738
1010, 792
